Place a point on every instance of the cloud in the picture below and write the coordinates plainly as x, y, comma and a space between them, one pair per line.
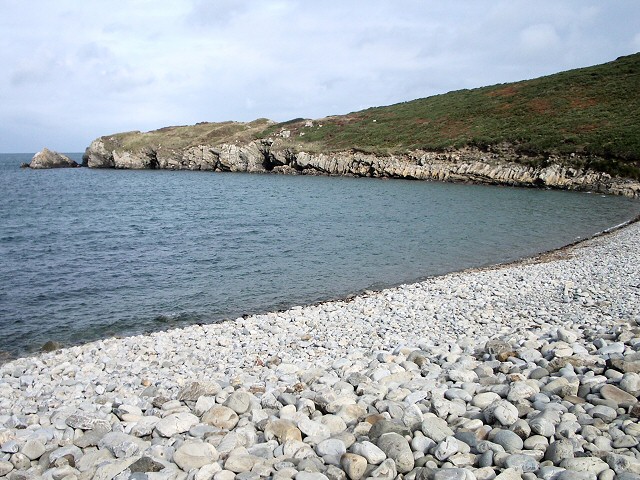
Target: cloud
27, 74
205, 13
93, 51
84, 69
539, 39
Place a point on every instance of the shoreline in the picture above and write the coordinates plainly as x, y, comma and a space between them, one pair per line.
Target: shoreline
354, 372
543, 256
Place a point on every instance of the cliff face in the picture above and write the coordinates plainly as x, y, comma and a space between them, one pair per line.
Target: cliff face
502, 166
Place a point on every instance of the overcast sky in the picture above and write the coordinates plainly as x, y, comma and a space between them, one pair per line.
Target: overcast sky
75, 70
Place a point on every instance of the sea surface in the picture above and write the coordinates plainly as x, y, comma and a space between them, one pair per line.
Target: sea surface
86, 254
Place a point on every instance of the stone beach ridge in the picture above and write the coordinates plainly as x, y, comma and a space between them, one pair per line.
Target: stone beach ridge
528, 370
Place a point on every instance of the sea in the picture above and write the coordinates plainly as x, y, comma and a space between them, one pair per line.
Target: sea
87, 254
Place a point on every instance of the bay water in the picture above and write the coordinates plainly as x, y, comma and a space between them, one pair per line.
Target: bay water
87, 254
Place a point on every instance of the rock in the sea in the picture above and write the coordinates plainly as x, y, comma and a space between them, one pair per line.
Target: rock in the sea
48, 159
51, 346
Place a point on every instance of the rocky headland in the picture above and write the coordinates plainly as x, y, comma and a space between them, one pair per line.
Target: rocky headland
574, 130
498, 165
524, 371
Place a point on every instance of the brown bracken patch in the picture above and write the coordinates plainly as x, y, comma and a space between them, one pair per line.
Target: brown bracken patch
586, 128
540, 105
582, 102
453, 129
508, 91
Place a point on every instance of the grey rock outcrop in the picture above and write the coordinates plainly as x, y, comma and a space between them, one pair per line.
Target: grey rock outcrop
500, 166
49, 159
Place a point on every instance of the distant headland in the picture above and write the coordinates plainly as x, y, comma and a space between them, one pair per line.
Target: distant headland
577, 130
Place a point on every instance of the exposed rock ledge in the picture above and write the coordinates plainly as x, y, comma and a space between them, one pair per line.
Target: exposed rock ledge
465, 165
49, 159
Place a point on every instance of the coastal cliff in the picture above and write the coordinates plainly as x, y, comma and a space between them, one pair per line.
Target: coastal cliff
500, 165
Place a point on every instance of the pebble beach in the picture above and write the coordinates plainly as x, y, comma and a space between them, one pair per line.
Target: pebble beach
521, 371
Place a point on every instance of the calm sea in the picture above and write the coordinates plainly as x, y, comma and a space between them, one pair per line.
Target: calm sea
86, 254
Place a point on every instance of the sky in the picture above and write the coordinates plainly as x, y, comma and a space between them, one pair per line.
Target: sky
76, 70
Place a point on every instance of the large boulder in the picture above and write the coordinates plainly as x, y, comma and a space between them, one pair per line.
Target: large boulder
48, 159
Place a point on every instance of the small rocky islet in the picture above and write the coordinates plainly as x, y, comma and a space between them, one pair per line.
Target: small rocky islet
529, 370
46, 158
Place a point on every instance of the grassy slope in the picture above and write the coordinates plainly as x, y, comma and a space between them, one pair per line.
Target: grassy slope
176, 138
590, 111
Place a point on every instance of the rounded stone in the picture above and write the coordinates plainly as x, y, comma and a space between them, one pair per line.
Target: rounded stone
314, 429
519, 391
450, 474
332, 448
509, 440
559, 450
33, 449
446, 448
176, 423
536, 442
283, 430
625, 441
20, 461
239, 402
502, 412
224, 475
397, 448
541, 425
194, 455
617, 395
435, 428
207, 472
310, 476
585, 464
483, 400
5, 467
369, 451
538, 373
240, 462
607, 414
521, 463
353, 465
221, 417
630, 383
521, 428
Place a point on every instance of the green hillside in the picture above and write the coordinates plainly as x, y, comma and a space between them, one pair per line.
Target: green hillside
590, 111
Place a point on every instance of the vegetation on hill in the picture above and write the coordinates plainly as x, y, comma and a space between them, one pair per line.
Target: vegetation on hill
593, 112
180, 137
